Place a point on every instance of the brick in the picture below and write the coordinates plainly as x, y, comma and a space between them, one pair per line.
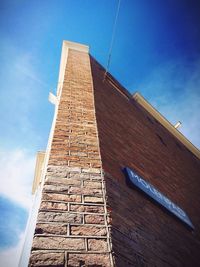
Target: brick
87, 230
57, 171
53, 206
90, 199
82, 176
59, 217
75, 169
58, 243
56, 229
92, 170
61, 197
55, 188
94, 219
77, 260
97, 245
95, 163
95, 177
86, 191
64, 181
86, 208
93, 184
61, 161
79, 154
44, 258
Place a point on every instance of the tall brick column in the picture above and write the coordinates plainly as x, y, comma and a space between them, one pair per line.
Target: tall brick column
72, 223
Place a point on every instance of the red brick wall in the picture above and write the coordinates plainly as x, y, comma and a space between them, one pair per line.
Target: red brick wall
142, 233
72, 224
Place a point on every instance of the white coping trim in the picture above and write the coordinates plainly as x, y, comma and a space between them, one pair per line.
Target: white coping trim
157, 115
38, 170
29, 233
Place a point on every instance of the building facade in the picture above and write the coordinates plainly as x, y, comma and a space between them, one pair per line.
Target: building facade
88, 214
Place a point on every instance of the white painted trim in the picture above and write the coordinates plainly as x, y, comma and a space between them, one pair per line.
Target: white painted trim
149, 108
38, 170
52, 98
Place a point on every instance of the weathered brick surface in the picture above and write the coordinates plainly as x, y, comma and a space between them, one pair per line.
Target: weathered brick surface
67, 217
94, 219
77, 260
88, 230
92, 184
56, 229
92, 199
64, 181
73, 197
142, 233
85, 191
53, 206
62, 197
97, 244
44, 258
92, 170
55, 188
86, 208
58, 243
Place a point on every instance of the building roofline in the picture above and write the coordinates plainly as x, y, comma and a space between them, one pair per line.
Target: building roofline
150, 109
158, 116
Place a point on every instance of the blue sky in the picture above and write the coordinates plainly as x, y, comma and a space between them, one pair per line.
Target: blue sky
156, 52
14, 218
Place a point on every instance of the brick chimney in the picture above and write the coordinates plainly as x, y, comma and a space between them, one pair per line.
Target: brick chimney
72, 222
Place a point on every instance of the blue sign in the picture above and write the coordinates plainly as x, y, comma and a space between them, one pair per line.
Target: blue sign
152, 192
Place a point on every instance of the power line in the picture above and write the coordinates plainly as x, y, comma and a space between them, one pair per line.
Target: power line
112, 38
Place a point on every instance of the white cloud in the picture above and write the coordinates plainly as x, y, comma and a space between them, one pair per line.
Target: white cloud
10, 257
17, 171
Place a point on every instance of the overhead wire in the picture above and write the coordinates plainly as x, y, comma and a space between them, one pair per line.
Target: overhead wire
112, 39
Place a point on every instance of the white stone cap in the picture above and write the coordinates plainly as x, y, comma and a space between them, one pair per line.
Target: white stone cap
76, 46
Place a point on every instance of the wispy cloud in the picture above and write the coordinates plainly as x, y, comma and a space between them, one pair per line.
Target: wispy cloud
17, 170
174, 90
